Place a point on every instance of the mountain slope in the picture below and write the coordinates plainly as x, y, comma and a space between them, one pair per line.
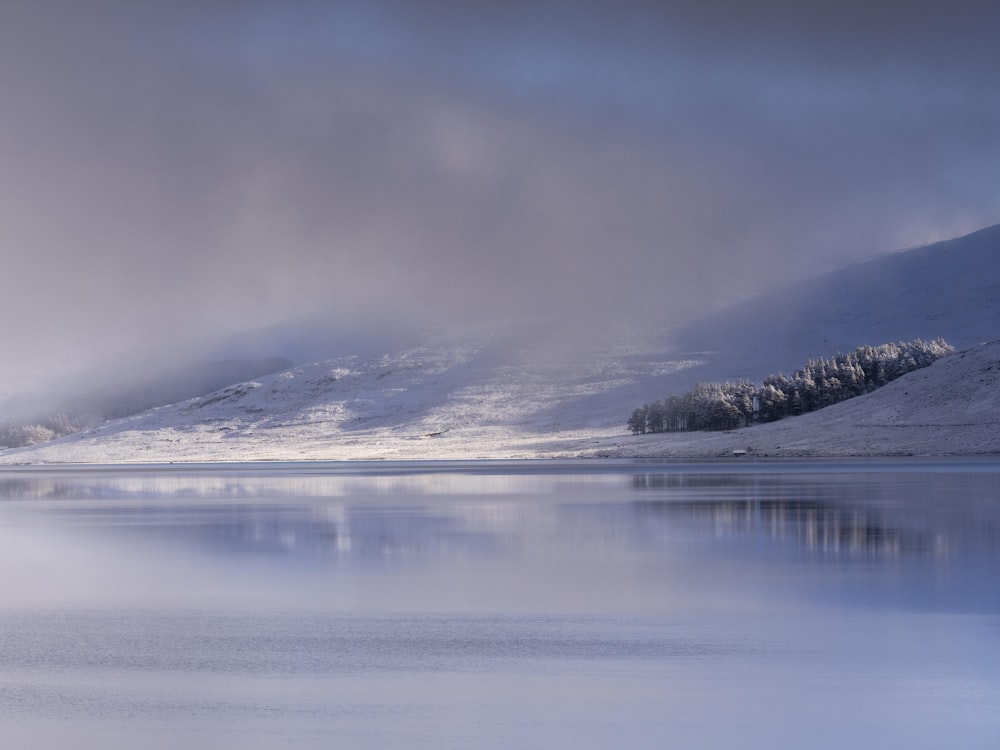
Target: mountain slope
425, 406
482, 394
949, 289
949, 408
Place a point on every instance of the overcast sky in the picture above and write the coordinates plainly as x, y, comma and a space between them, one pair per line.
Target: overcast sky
175, 168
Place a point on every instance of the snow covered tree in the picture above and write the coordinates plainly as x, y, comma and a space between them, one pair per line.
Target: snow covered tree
637, 422
655, 414
772, 403
822, 382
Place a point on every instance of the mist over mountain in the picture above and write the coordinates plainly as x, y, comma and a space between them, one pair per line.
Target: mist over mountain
178, 172
948, 289
496, 390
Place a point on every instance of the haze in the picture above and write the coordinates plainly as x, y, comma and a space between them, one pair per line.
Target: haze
174, 171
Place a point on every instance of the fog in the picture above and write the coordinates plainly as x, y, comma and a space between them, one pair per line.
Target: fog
174, 172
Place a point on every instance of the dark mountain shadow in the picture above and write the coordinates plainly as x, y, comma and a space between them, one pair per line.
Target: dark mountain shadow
949, 289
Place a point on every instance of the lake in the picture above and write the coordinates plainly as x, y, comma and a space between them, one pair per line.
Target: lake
502, 604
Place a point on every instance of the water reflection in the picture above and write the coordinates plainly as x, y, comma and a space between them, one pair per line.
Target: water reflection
921, 514
817, 526
931, 525
520, 605
286, 480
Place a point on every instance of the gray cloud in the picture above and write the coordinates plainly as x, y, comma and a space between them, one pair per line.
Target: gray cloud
183, 169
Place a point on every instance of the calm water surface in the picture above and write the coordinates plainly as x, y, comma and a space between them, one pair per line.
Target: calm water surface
502, 604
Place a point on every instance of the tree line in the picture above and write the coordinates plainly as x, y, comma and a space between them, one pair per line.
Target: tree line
822, 382
20, 435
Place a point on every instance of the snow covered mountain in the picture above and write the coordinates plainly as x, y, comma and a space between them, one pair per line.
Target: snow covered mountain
394, 405
425, 404
481, 394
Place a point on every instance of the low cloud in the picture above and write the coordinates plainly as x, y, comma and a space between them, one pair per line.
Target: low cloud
185, 170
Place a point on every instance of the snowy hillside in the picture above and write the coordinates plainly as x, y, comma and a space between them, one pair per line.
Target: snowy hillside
429, 405
949, 408
467, 395
478, 393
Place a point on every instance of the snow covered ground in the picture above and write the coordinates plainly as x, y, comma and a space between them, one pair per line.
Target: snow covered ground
465, 396
480, 393
949, 408
430, 404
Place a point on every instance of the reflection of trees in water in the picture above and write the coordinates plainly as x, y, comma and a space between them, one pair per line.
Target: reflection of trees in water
818, 526
866, 515
689, 481
873, 515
